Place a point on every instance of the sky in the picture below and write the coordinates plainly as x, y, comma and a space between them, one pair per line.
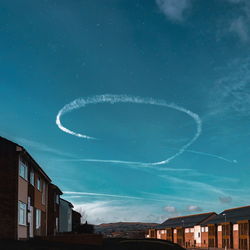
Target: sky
138, 110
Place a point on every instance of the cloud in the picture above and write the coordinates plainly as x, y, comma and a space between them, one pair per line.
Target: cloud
170, 209
193, 208
196, 185
232, 91
225, 199
174, 9
81, 194
98, 212
240, 26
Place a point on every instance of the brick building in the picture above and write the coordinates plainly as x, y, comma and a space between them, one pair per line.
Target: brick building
184, 230
230, 229
76, 220
23, 193
54, 193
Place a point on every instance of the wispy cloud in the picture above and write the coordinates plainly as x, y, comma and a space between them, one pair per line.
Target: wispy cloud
174, 9
98, 212
194, 208
170, 209
225, 199
81, 194
232, 91
240, 27
195, 184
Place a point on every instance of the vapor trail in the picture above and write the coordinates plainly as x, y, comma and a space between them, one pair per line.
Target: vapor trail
211, 155
112, 99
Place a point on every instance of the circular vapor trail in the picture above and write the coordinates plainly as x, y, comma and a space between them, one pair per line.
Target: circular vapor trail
112, 99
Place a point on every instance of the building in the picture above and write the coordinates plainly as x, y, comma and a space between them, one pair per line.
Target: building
53, 207
23, 193
230, 229
183, 230
76, 220
65, 216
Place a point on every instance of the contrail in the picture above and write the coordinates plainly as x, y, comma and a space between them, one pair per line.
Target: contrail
211, 155
110, 195
112, 99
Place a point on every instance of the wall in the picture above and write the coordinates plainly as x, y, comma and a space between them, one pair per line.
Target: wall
8, 189
219, 230
22, 231
236, 236
65, 217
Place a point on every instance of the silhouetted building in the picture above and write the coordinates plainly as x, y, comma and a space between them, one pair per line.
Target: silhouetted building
23, 193
76, 221
53, 209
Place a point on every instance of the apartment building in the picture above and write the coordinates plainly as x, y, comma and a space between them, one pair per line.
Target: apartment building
229, 229
184, 230
54, 193
23, 193
76, 220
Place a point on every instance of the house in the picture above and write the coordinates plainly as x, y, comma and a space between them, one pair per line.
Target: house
54, 193
23, 193
65, 216
230, 229
76, 220
183, 230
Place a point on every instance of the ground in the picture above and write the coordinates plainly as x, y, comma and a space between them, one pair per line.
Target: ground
109, 244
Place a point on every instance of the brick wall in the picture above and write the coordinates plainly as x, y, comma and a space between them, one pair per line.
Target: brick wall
8, 189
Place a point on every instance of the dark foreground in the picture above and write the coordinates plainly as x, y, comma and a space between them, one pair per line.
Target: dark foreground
112, 244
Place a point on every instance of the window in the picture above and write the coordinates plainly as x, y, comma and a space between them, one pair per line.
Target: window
22, 211
23, 170
199, 235
44, 194
236, 227
38, 183
38, 218
57, 228
57, 199
32, 177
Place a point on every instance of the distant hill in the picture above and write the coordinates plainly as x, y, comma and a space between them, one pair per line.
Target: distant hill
123, 227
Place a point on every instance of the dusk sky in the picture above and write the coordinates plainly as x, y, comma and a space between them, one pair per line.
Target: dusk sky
163, 89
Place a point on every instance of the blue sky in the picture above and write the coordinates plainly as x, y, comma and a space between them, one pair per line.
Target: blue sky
193, 53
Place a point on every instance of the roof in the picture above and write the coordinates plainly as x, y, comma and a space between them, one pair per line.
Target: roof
32, 159
231, 215
185, 221
53, 186
75, 213
70, 204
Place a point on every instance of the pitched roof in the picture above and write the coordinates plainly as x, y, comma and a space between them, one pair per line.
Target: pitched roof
69, 203
21, 148
231, 215
55, 187
185, 221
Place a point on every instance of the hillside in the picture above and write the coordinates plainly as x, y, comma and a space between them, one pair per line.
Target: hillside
123, 227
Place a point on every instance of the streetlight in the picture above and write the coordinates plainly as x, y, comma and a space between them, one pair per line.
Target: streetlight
225, 230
